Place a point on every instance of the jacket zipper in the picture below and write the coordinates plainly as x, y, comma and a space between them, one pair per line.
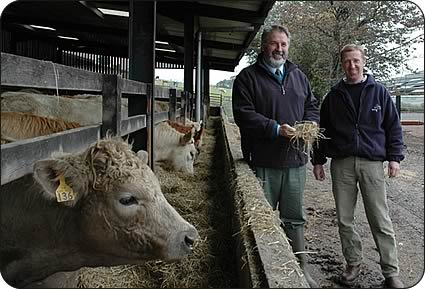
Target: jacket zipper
358, 137
358, 118
282, 85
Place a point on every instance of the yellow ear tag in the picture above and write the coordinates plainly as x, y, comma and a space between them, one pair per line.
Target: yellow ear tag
64, 192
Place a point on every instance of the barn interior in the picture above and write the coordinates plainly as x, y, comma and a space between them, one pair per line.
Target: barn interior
173, 34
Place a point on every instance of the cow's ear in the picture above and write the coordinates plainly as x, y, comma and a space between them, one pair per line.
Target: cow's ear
60, 181
144, 156
184, 139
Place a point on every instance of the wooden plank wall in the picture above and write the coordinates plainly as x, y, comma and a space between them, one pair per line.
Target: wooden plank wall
18, 158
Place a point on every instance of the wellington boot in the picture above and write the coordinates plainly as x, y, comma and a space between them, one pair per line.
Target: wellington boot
303, 265
296, 239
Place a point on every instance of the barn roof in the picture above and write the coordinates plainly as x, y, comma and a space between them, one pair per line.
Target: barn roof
228, 27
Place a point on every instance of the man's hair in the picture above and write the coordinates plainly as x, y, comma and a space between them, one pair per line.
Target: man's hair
352, 47
267, 30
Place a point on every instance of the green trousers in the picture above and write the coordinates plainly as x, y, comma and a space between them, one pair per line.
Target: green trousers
284, 190
349, 174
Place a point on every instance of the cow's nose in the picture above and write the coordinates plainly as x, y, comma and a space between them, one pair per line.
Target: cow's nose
190, 238
189, 241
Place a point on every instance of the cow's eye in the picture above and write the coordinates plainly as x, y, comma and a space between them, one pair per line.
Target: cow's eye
128, 201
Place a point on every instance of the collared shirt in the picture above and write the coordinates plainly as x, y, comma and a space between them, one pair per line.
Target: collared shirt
273, 71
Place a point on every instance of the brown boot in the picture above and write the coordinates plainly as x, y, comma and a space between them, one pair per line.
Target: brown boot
393, 282
350, 274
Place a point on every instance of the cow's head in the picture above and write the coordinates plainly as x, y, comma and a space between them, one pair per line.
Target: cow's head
184, 155
123, 214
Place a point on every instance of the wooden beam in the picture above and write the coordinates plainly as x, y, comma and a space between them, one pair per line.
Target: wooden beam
18, 158
132, 124
22, 71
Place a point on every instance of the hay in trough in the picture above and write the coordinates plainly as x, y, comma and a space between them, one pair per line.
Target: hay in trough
305, 135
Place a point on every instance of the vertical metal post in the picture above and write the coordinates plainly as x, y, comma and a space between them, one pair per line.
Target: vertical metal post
398, 101
151, 124
183, 103
198, 79
172, 103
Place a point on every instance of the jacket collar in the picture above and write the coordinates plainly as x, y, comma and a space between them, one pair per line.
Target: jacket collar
340, 84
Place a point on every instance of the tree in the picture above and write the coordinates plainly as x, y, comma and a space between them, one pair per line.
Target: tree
319, 29
227, 83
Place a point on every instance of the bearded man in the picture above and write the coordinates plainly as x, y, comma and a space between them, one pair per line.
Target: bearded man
268, 98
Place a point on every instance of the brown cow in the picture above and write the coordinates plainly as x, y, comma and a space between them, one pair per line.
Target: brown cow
101, 207
17, 126
197, 129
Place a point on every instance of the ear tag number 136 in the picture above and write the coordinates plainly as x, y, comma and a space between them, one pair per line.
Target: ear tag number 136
64, 192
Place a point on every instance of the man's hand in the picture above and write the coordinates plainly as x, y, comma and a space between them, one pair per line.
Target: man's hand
286, 130
319, 172
393, 169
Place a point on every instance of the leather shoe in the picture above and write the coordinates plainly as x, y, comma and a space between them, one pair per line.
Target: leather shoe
393, 282
350, 273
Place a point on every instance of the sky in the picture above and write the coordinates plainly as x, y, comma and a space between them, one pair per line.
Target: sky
215, 75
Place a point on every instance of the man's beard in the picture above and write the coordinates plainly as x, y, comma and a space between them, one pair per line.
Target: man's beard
275, 63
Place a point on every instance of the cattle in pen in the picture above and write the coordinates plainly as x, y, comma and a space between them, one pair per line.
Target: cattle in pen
196, 127
173, 149
100, 207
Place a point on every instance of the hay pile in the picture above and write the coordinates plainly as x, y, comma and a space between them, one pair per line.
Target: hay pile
305, 135
258, 219
194, 198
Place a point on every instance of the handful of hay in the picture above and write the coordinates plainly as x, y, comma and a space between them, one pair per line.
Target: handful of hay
305, 134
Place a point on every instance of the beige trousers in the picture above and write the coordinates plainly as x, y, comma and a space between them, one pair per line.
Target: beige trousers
348, 176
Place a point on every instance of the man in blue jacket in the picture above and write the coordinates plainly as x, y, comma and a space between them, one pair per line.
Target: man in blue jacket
268, 98
363, 130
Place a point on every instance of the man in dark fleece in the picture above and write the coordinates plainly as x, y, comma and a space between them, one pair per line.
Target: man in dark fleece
363, 130
268, 98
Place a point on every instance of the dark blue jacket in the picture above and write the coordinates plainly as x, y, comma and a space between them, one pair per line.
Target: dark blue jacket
260, 103
374, 132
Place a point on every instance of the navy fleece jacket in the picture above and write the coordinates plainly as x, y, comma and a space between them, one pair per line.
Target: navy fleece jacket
260, 103
374, 132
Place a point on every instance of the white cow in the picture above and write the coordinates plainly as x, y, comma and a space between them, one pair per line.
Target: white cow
100, 207
173, 149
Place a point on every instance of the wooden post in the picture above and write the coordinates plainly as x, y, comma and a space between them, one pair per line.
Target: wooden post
142, 31
172, 103
111, 105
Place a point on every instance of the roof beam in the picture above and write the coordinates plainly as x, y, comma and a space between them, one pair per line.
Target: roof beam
207, 43
177, 9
